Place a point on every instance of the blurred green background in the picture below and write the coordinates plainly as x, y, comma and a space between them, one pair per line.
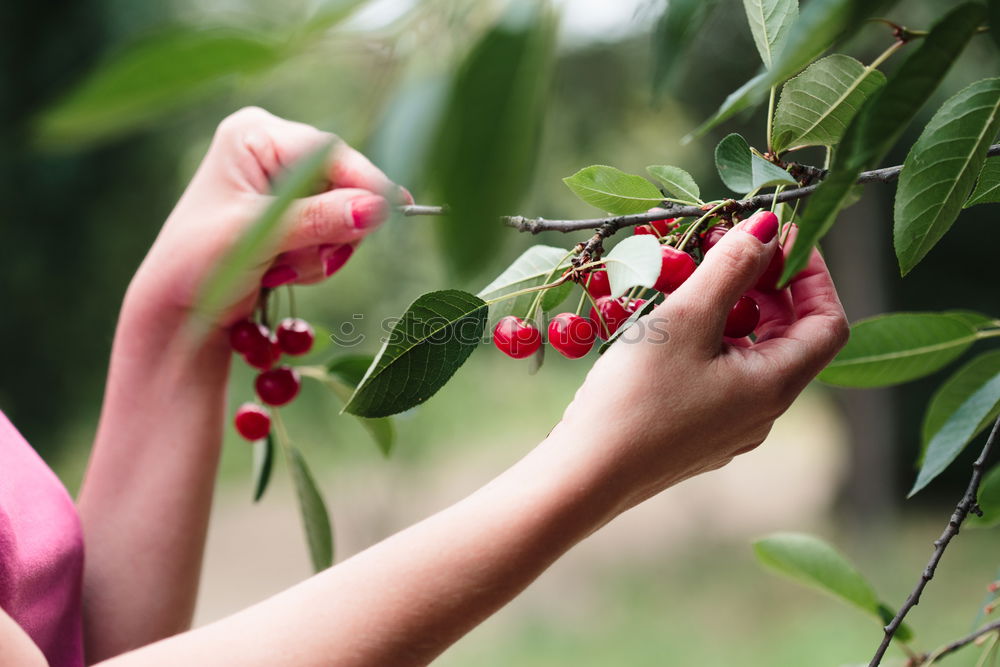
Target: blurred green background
670, 583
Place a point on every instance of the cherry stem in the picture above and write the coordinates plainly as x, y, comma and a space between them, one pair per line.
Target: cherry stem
694, 226
291, 301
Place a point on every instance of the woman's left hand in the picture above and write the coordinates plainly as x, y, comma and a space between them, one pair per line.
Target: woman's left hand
230, 190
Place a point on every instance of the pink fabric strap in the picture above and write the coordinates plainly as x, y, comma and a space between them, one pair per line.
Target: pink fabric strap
41, 551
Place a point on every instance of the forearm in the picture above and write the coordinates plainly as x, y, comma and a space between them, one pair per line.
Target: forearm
405, 600
146, 497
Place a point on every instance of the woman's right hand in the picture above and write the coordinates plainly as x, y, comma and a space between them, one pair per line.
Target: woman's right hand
678, 399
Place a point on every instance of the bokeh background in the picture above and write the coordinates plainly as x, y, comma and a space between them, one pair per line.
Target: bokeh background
672, 582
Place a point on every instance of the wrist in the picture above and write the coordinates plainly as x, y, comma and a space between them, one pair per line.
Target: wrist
574, 479
153, 333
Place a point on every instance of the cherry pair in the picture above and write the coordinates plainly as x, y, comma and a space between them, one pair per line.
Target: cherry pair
571, 335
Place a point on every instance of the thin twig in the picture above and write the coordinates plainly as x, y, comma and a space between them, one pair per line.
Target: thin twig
965, 506
609, 225
961, 643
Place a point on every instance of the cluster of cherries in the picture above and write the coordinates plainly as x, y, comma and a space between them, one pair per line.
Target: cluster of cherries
276, 384
573, 335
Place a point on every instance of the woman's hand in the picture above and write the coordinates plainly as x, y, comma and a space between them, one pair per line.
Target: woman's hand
230, 190
675, 399
148, 489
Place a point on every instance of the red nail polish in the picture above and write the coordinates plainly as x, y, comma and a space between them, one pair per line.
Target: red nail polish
277, 276
762, 224
334, 257
369, 211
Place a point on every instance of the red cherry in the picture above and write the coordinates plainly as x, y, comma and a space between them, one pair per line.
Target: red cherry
278, 386
572, 335
743, 318
676, 268
264, 354
613, 313
246, 335
657, 227
665, 226
252, 421
597, 283
768, 281
516, 338
711, 237
634, 306
295, 336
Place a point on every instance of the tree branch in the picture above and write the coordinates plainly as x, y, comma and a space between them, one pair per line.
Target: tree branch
961, 643
609, 225
965, 506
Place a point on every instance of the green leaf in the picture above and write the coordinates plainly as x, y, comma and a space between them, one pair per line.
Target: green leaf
435, 336
941, 169
770, 22
742, 171
554, 297
257, 241
529, 270
816, 106
889, 112
487, 144
676, 182
988, 500
151, 79
263, 462
312, 508
955, 391
614, 191
673, 33
811, 561
988, 186
879, 124
331, 14
895, 348
750, 94
976, 320
634, 262
346, 373
820, 24
961, 427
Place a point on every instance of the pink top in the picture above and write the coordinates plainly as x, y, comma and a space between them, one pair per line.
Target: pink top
41, 551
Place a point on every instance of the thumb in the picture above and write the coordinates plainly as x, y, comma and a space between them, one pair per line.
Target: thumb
729, 269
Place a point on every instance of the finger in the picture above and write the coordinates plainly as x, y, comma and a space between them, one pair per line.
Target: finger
274, 144
307, 266
776, 313
350, 169
820, 328
729, 269
344, 215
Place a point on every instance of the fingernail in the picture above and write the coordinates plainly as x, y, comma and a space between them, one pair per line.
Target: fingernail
369, 211
405, 196
334, 257
762, 224
279, 275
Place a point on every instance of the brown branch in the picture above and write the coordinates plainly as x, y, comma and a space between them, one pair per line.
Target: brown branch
961, 643
965, 506
612, 224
